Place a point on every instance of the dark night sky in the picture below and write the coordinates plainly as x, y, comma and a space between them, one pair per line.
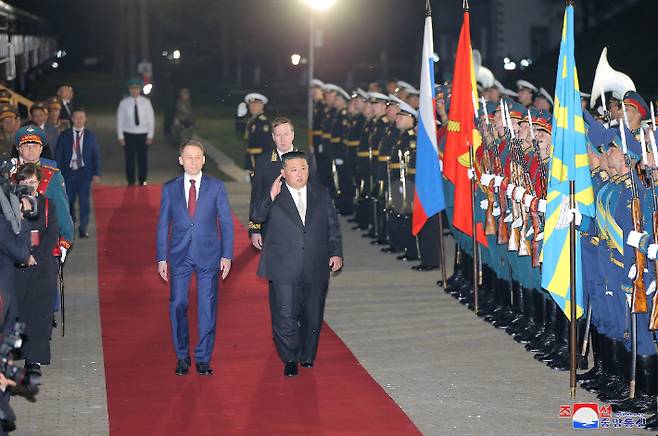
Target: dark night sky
355, 32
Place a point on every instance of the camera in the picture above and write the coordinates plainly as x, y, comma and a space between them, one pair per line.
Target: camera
24, 378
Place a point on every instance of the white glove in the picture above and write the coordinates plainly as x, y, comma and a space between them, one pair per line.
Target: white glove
517, 223
471, 173
634, 238
651, 251
497, 181
541, 206
496, 211
632, 272
527, 199
539, 237
508, 218
518, 193
320, 148
486, 179
64, 252
441, 165
529, 232
652, 288
484, 204
567, 215
339, 162
510, 189
242, 109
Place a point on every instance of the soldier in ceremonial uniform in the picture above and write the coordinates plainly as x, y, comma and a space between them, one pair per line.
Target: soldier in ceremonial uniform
10, 122
401, 166
258, 133
39, 118
337, 154
380, 123
323, 148
362, 167
355, 124
317, 94
54, 109
527, 92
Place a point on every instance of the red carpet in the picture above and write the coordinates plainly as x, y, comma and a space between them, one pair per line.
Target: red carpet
248, 393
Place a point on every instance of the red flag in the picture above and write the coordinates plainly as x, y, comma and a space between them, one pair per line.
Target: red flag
462, 134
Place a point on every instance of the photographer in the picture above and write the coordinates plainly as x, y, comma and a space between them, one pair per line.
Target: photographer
36, 283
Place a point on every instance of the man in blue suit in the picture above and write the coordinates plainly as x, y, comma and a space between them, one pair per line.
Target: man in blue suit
78, 158
188, 241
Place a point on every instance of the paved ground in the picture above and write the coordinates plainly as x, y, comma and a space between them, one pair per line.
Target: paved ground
450, 372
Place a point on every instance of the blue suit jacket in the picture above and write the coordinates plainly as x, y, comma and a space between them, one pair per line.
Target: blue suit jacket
205, 238
90, 153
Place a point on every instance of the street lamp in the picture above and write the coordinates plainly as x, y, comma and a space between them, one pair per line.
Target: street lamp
315, 5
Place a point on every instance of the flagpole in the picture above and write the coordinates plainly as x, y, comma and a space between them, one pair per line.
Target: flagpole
476, 275
572, 292
442, 252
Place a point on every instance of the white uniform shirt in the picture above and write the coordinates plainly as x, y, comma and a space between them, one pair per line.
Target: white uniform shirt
126, 117
295, 196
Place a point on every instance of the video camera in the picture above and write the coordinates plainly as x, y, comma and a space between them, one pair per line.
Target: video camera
12, 193
24, 378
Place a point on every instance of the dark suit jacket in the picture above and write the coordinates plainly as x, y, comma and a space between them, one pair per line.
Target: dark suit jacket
293, 252
179, 235
268, 168
90, 153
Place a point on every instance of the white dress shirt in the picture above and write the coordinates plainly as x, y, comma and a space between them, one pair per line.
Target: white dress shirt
126, 117
187, 184
280, 153
81, 162
295, 196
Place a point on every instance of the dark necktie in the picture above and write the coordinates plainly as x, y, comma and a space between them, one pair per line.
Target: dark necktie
77, 161
136, 114
191, 200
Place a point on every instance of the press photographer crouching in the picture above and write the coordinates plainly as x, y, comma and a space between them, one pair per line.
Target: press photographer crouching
17, 207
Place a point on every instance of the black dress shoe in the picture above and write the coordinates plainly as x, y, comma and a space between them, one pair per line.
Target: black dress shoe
422, 267
54, 322
290, 369
204, 369
407, 258
83, 234
34, 368
183, 366
306, 364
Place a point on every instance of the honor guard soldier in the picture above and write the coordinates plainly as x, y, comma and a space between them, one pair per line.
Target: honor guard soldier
355, 124
381, 172
527, 92
323, 148
543, 101
54, 109
258, 133
378, 103
362, 167
317, 94
402, 172
339, 187
10, 122
413, 97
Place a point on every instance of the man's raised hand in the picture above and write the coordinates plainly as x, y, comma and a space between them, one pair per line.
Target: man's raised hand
276, 187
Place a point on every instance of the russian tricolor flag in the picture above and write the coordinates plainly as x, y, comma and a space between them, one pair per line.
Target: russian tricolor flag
428, 196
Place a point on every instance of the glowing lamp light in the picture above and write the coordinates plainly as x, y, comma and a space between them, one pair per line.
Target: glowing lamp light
295, 59
176, 54
320, 5
147, 88
55, 65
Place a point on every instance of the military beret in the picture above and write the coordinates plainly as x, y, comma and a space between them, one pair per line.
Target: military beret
7, 111
524, 84
254, 96
30, 134
633, 99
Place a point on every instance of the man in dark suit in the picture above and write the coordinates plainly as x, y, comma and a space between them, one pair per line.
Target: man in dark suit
302, 245
190, 241
78, 158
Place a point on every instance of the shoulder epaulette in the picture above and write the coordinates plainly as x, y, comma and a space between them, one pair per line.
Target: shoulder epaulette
262, 117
